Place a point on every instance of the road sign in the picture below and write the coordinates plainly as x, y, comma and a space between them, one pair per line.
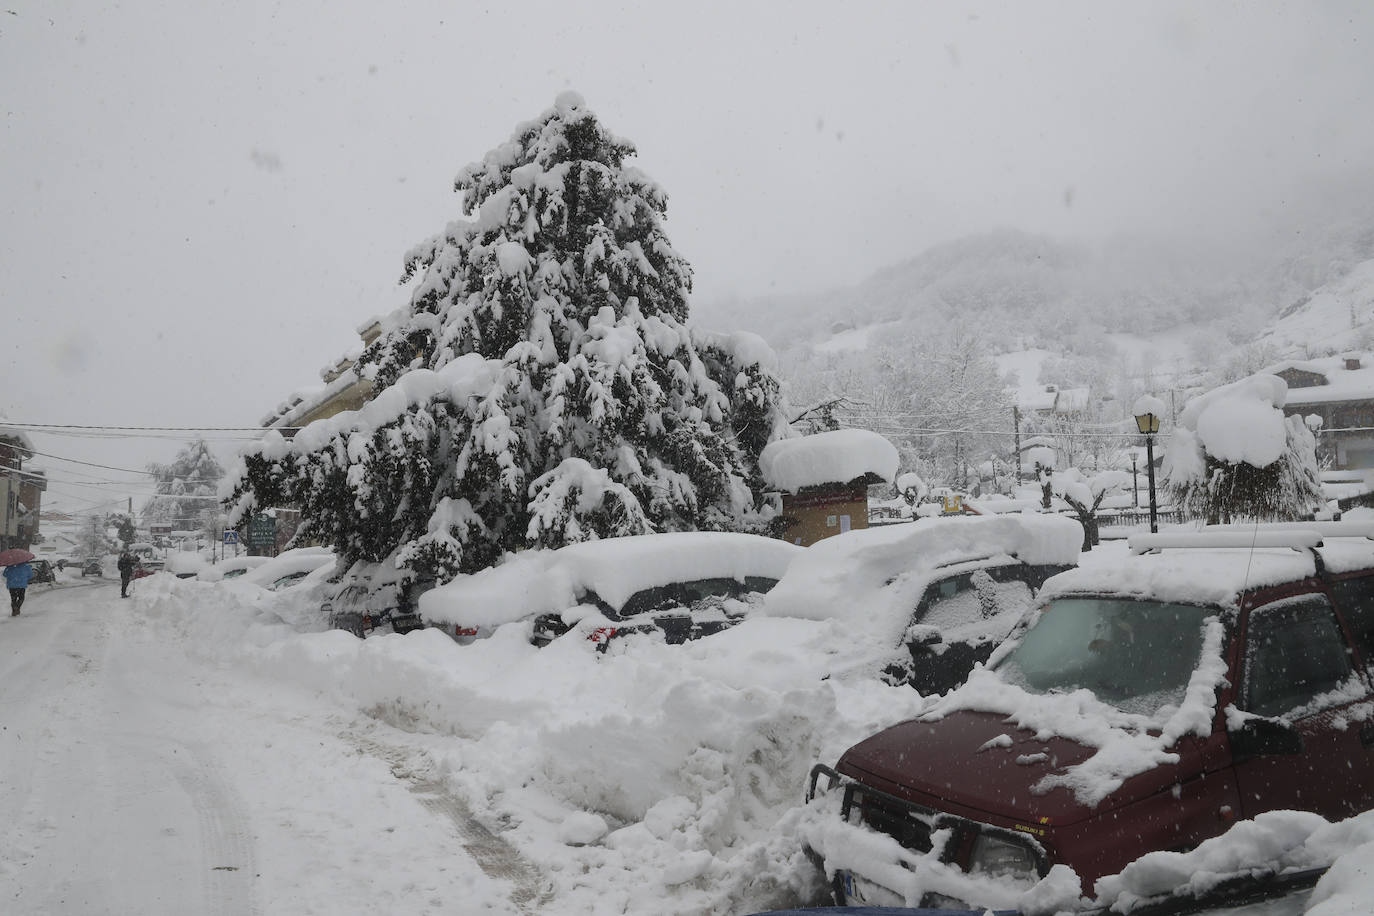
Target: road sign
262, 531
231, 536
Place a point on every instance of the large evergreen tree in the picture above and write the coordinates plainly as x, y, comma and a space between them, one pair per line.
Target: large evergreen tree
187, 488
541, 387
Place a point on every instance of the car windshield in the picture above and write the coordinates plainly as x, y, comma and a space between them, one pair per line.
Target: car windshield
697, 594
1135, 655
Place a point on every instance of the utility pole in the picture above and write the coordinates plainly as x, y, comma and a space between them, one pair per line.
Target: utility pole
1016, 427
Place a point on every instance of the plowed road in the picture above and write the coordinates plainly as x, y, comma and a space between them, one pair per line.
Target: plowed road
134, 779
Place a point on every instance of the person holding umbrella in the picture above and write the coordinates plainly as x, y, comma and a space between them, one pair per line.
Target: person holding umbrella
18, 572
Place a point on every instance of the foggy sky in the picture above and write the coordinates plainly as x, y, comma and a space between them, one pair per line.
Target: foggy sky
202, 202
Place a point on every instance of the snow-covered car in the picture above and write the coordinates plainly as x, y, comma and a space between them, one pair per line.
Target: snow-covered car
922, 603
291, 567
91, 567
372, 597
678, 586
185, 564
1144, 705
231, 568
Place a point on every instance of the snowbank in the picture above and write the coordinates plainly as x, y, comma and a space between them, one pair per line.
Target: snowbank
663, 779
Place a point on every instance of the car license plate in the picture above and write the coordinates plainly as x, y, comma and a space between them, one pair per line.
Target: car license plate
858, 889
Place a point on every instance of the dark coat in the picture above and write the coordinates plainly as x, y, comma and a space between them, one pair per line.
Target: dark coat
126, 564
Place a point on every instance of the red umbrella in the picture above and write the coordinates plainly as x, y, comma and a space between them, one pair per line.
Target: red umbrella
14, 556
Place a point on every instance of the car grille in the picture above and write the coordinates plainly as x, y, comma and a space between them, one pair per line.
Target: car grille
909, 826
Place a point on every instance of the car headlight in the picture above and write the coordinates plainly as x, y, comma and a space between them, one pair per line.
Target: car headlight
1002, 858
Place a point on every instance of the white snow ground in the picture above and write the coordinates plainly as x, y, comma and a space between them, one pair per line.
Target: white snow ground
185, 751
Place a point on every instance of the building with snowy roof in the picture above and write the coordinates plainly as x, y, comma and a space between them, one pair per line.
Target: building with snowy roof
342, 389
823, 480
1339, 390
21, 489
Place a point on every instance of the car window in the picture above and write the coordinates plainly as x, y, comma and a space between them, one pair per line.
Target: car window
970, 598
287, 580
698, 593
1294, 652
1136, 655
1356, 598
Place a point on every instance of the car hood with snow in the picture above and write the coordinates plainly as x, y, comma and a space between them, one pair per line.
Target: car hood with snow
539, 582
981, 766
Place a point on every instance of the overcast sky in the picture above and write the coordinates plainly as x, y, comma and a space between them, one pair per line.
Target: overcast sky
202, 201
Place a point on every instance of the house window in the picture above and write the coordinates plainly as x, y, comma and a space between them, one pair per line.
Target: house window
1354, 416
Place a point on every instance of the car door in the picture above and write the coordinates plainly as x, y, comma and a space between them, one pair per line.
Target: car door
970, 613
1298, 669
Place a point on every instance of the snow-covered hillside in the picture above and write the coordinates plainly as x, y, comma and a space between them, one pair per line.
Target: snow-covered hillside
1336, 316
1298, 287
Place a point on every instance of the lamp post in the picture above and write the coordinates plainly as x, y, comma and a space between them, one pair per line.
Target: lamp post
1135, 484
1147, 412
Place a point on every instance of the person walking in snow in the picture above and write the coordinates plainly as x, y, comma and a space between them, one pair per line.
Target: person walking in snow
17, 578
126, 572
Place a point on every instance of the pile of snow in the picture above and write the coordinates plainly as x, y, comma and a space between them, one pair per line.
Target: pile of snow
652, 778
537, 582
1242, 421
838, 456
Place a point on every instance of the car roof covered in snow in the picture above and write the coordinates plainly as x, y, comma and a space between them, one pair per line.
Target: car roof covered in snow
549, 581
859, 573
1209, 575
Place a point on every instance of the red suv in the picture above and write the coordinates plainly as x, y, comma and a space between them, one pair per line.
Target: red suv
1142, 705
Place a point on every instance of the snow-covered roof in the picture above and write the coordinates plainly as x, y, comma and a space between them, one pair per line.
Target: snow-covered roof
17, 435
307, 399
551, 581
1342, 384
1071, 400
838, 456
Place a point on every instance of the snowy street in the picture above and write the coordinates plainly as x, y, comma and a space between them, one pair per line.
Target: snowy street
139, 781
207, 748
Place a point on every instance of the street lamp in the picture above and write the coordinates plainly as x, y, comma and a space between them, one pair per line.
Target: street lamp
1147, 411
1135, 483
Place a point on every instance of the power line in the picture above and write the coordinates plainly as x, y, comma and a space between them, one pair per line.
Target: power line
89, 464
44, 427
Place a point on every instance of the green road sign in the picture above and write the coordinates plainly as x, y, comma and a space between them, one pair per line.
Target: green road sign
262, 531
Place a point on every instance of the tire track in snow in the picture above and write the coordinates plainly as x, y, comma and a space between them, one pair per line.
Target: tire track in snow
494, 856
226, 845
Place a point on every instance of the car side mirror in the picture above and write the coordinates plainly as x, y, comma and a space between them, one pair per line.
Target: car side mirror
1260, 737
922, 635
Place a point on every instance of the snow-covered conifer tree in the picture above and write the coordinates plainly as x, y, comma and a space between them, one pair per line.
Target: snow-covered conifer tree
541, 387
186, 487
